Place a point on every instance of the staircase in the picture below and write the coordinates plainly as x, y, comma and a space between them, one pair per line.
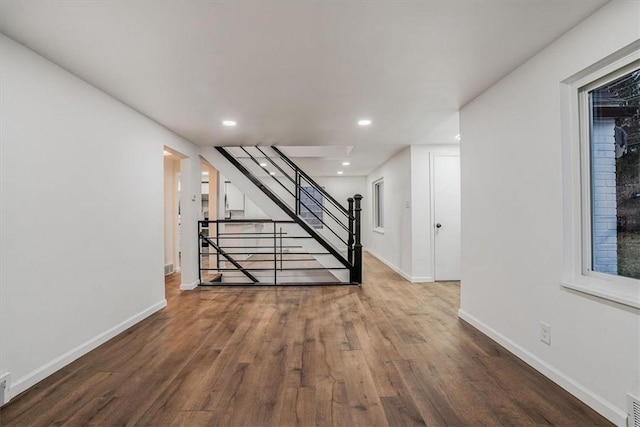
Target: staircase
309, 238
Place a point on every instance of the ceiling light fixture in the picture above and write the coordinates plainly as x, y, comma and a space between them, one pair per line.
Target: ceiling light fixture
340, 172
272, 173
458, 137
345, 163
364, 122
229, 123
263, 165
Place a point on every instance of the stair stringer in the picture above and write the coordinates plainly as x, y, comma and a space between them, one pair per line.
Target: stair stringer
269, 207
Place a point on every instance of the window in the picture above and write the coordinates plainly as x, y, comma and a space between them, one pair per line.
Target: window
310, 203
378, 205
612, 145
601, 179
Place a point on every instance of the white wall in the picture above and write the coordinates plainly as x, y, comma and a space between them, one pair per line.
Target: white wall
406, 245
82, 216
512, 210
394, 246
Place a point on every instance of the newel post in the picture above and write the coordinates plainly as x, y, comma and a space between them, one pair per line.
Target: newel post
350, 239
357, 247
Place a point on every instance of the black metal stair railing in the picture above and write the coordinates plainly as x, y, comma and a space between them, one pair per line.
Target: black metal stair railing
302, 174
298, 189
229, 258
283, 205
261, 251
352, 215
345, 227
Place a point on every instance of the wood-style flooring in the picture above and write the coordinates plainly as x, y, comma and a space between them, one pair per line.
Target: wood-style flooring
387, 353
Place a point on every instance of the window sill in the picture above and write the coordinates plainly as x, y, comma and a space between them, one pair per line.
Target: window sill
378, 230
621, 293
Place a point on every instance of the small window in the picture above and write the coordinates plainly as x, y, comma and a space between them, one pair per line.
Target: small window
610, 107
378, 205
310, 202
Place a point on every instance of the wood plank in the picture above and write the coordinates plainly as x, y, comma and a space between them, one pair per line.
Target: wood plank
364, 401
387, 353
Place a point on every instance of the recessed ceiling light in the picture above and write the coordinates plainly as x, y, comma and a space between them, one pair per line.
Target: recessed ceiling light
345, 163
340, 172
229, 123
166, 153
364, 122
263, 164
272, 173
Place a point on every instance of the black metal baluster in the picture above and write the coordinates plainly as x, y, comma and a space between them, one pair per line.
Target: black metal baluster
281, 267
218, 243
200, 253
297, 192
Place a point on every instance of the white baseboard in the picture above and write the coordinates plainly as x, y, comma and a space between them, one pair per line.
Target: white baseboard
597, 403
422, 279
58, 363
412, 279
189, 286
170, 271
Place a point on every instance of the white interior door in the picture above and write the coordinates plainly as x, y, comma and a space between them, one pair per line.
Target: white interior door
446, 216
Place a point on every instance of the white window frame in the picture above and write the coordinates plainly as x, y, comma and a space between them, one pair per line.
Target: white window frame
378, 205
577, 274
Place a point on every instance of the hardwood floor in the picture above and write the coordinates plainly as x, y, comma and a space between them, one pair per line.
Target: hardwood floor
388, 353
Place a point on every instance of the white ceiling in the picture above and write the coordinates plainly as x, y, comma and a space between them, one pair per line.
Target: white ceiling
295, 73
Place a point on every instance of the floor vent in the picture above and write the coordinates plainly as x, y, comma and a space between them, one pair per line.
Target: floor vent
168, 269
633, 406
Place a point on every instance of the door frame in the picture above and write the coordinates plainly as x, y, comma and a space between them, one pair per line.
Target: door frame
432, 203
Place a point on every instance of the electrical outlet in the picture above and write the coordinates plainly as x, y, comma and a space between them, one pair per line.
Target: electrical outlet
545, 333
5, 383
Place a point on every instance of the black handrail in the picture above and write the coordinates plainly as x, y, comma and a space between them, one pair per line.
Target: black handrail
311, 181
289, 191
295, 196
298, 187
229, 258
248, 221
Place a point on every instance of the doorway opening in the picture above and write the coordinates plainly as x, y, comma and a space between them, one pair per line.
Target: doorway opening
172, 227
